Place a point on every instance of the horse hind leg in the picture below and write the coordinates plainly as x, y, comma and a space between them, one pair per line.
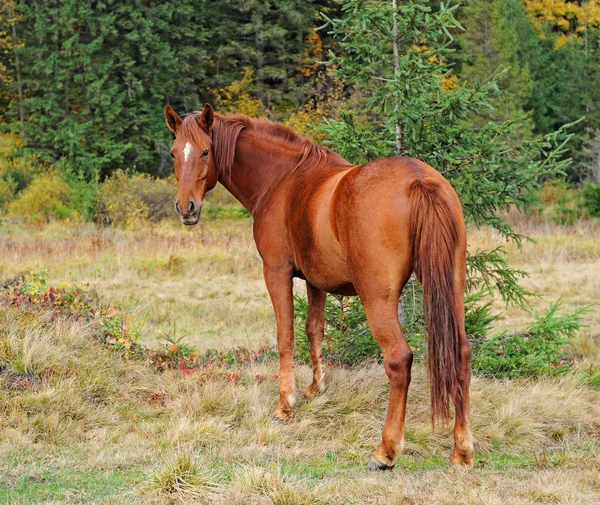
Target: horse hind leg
315, 327
382, 316
463, 438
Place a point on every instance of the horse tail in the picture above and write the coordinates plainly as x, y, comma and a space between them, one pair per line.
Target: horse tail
434, 234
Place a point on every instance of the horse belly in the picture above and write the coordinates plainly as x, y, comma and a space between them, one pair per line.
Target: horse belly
328, 272
322, 259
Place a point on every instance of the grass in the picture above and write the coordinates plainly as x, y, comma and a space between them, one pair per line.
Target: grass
79, 424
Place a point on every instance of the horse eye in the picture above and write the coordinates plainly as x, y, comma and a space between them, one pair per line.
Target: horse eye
205, 154
172, 155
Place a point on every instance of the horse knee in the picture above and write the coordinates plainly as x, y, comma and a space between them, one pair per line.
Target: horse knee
398, 366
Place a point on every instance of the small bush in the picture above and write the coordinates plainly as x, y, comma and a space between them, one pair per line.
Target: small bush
347, 340
553, 191
538, 351
591, 198
8, 189
17, 169
562, 203
48, 196
129, 199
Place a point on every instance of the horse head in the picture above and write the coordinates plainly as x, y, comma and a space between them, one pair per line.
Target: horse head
194, 161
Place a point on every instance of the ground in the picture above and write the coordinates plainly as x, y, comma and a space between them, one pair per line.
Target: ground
84, 426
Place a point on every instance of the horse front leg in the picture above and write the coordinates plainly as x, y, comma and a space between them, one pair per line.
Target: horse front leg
279, 284
315, 328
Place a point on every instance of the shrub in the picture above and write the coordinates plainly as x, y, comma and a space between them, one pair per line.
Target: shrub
347, 340
48, 196
538, 351
562, 204
591, 198
128, 199
17, 169
84, 198
8, 188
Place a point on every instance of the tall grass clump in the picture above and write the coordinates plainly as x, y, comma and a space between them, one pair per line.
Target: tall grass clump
182, 480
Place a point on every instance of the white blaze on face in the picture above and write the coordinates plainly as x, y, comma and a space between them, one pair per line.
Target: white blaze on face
187, 150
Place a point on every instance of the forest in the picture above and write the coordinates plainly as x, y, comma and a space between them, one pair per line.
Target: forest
84, 83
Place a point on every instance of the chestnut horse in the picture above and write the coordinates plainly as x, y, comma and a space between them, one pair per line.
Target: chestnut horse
352, 230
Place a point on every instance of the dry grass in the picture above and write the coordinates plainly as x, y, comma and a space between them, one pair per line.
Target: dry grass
79, 425
208, 279
172, 438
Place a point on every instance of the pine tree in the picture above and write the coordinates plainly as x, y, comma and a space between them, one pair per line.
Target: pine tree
417, 107
498, 35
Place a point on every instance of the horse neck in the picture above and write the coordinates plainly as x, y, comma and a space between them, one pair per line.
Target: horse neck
259, 164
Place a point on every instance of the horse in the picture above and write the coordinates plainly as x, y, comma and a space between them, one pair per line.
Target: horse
345, 229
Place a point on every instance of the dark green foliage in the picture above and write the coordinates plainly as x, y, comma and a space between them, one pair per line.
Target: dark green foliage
540, 350
478, 315
268, 36
591, 198
347, 341
96, 76
498, 35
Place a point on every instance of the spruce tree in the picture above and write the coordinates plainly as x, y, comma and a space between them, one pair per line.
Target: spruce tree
416, 106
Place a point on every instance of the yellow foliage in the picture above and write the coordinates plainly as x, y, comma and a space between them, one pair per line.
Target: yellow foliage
313, 54
236, 97
328, 94
15, 171
303, 121
46, 197
449, 83
130, 200
571, 18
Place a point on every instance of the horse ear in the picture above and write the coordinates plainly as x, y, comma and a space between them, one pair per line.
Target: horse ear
207, 117
172, 119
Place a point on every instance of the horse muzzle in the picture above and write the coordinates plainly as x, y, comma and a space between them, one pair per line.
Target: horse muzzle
192, 216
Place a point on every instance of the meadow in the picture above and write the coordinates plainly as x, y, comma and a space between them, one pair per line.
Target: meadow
80, 424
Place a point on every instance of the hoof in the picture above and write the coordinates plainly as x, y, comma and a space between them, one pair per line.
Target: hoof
283, 414
462, 459
375, 465
313, 390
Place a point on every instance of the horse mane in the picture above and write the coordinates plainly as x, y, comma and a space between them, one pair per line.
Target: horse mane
226, 130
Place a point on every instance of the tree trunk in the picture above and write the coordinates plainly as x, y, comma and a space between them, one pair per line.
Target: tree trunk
19, 81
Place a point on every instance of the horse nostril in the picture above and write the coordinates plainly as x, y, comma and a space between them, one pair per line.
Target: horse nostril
192, 207
177, 208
